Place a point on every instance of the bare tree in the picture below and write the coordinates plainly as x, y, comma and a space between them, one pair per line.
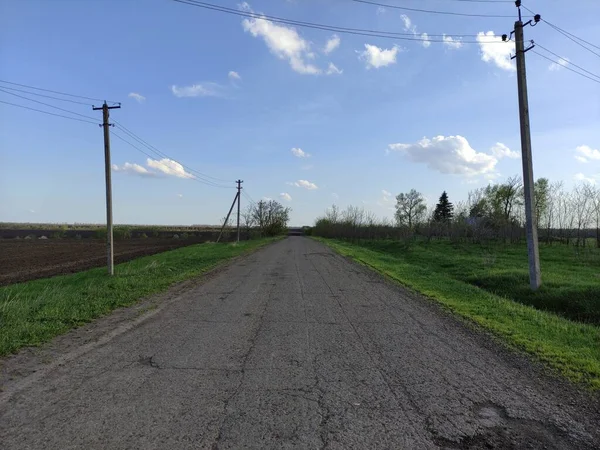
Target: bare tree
410, 208
582, 209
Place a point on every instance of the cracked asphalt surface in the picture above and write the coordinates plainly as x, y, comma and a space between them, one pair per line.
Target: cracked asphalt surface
295, 347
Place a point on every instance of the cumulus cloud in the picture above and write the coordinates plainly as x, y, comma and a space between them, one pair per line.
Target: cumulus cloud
285, 196
448, 155
284, 42
494, 51
299, 153
133, 169
332, 44
208, 89
585, 179
410, 26
137, 97
453, 44
333, 70
387, 200
380, 10
502, 151
180, 195
377, 57
234, 76
305, 184
155, 168
585, 153
168, 167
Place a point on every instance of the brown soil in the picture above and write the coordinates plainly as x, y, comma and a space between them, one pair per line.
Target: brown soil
24, 260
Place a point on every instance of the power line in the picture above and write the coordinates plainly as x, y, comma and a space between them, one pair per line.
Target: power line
334, 28
567, 60
163, 155
46, 104
46, 112
47, 96
152, 156
566, 67
54, 92
568, 35
429, 11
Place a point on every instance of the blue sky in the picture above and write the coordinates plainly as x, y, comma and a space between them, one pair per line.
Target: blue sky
376, 116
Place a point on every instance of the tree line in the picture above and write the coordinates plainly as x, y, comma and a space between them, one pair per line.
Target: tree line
494, 212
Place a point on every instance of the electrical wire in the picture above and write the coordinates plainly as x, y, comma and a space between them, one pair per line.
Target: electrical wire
430, 11
567, 60
568, 35
199, 180
49, 113
334, 28
163, 155
54, 92
47, 104
248, 197
566, 67
47, 96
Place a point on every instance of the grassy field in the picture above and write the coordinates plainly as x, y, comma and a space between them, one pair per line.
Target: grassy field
489, 286
34, 312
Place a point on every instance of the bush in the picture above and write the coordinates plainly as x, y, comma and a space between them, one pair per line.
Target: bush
100, 233
122, 233
143, 236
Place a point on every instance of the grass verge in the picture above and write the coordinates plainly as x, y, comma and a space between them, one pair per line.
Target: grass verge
36, 311
571, 348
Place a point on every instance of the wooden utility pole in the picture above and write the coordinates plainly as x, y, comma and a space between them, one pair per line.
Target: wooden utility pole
535, 277
107, 172
239, 191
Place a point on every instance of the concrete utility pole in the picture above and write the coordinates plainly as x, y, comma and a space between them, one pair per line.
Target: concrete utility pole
239, 191
107, 171
535, 277
228, 214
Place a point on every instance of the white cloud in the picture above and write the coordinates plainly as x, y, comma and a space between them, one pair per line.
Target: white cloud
333, 70
306, 185
377, 57
585, 153
335, 196
267, 199
198, 90
180, 195
32, 211
133, 169
137, 97
387, 200
425, 40
299, 153
380, 10
562, 62
502, 151
451, 43
583, 178
495, 51
285, 196
332, 44
408, 25
284, 42
234, 76
448, 155
168, 167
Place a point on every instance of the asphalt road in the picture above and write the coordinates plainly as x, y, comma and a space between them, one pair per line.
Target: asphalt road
295, 347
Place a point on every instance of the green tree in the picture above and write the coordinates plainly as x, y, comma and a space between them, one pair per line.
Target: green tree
410, 208
444, 210
271, 217
541, 190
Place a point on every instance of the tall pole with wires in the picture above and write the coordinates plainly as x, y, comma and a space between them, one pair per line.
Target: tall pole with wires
107, 172
239, 191
535, 277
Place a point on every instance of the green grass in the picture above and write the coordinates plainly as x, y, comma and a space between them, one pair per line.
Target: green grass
482, 284
36, 311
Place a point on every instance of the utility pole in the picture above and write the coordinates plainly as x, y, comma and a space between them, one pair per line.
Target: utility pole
107, 171
535, 277
239, 191
228, 214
